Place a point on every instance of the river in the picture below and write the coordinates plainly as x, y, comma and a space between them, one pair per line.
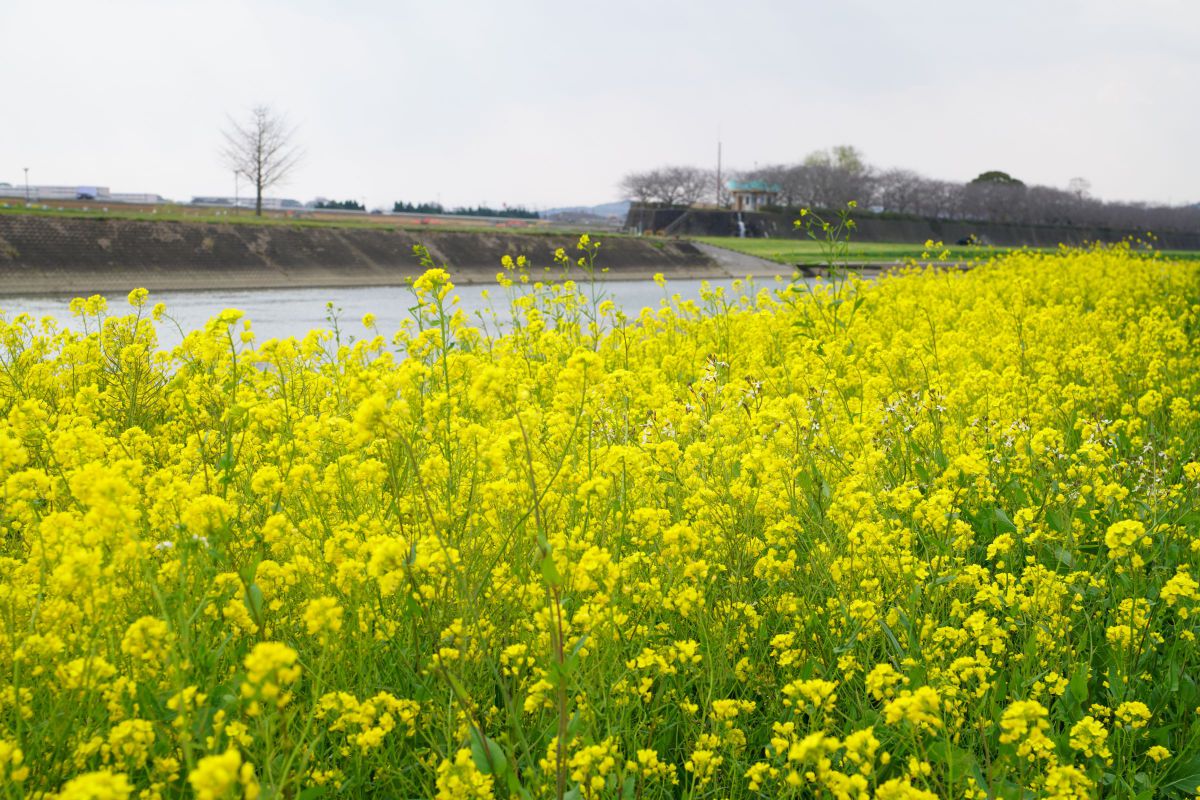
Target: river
279, 313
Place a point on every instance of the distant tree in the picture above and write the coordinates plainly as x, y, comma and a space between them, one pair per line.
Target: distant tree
344, 205
262, 148
1045, 205
831, 178
671, 186
901, 191
997, 177
940, 199
418, 208
638, 187
843, 157
508, 212
1080, 187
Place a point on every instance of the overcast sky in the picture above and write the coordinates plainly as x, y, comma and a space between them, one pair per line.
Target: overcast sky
550, 103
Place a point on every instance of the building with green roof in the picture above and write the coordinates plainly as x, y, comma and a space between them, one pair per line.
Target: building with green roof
753, 195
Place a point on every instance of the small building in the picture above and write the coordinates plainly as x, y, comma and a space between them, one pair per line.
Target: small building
753, 195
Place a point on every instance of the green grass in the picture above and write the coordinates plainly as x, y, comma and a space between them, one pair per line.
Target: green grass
246, 217
806, 251
206, 216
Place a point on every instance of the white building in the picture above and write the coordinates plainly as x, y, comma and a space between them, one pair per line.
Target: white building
100, 194
44, 193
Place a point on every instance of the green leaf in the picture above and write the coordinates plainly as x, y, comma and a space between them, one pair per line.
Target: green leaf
561, 673
574, 725
1078, 685
488, 756
579, 645
1184, 775
550, 571
515, 789
1064, 557
892, 640
456, 685
254, 603
958, 759
153, 709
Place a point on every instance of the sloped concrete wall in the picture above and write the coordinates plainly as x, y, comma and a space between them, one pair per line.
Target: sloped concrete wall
57, 254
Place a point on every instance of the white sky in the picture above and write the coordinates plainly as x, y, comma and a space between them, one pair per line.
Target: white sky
550, 102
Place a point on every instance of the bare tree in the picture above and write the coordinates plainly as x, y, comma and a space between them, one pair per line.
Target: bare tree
671, 186
688, 185
263, 149
900, 191
638, 186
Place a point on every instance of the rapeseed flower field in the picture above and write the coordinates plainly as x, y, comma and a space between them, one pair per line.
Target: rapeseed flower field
929, 536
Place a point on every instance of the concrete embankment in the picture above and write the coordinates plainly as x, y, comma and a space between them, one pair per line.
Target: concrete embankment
60, 255
711, 222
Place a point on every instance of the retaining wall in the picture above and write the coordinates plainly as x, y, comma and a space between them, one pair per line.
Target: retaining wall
701, 222
44, 254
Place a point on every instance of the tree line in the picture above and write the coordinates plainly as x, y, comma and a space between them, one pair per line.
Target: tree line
343, 205
514, 212
830, 178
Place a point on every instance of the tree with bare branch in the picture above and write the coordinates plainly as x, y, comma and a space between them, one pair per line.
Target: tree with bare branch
262, 148
670, 186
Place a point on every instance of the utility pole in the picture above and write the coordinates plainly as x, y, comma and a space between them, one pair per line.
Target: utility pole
235, 193
26, 185
718, 173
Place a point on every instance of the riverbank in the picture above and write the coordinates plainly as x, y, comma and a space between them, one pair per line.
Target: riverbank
56, 255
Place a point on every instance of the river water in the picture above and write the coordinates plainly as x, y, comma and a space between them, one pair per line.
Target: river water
279, 313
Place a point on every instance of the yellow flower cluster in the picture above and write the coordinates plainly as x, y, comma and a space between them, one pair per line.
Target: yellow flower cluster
218, 776
270, 668
934, 535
